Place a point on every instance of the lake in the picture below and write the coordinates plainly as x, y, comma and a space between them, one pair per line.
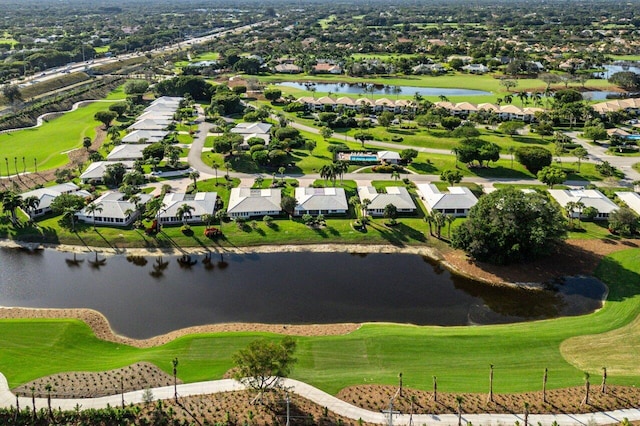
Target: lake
145, 296
378, 89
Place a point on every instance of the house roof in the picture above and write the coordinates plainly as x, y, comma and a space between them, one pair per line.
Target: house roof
458, 197
321, 199
388, 155
247, 128
396, 195
150, 124
588, 197
632, 199
113, 205
249, 200
151, 136
202, 203
127, 152
96, 170
47, 195
168, 99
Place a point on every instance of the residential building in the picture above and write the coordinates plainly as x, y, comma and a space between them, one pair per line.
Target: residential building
145, 136
201, 202
46, 196
249, 202
588, 197
95, 171
315, 201
127, 152
457, 202
113, 210
631, 199
396, 195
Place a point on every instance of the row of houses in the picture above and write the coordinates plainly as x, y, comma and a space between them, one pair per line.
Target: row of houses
461, 109
151, 127
244, 202
631, 105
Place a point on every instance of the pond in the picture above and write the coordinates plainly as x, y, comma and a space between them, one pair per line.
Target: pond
381, 89
147, 296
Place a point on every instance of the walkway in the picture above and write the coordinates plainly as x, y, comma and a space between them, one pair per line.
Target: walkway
323, 399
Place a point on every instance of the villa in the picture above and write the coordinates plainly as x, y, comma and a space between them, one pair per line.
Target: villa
127, 152
253, 130
95, 171
588, 197
46, 196
315, 201
151, 123
201, 202
145, 136
632, 199
249, 202
114, 210
396, 195
457, 202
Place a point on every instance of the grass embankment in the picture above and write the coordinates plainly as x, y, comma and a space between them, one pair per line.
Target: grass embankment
458, 356
50, 142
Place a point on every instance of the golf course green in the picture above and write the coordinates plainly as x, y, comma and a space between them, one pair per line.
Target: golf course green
376, 353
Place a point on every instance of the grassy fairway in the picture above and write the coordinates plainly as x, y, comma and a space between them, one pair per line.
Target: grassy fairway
459, 356
50, 142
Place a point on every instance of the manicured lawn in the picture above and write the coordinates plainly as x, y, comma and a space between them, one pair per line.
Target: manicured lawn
51, 142
458, 356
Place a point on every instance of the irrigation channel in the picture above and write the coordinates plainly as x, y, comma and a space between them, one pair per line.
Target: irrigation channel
146, 296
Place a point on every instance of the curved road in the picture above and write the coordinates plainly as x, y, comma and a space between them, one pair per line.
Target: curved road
323, 399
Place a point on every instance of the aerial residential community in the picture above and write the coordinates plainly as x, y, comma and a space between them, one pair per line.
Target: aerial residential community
325, 213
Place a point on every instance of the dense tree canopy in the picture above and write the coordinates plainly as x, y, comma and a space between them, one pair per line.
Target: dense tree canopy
534, 158
508, 226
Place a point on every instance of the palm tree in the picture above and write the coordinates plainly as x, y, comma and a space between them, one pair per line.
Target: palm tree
435, 389
443, 98
207, 218
579, 207
11, 201
455, 152
215, 166
395, 175
341, 168
31, 204
587, 385
184, 213
364, 204
281, 170
523, 96
220, 214
508, 99
227, 165
511, 150
92, 209
258, 182
544, 386
70, 212
490, 382
459, 400
328, 172
428, 217
580, 153
439, 220
449, 219
354, 201
526, 413
194, 175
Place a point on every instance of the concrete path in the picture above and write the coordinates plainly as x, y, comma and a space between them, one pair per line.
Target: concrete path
323, 399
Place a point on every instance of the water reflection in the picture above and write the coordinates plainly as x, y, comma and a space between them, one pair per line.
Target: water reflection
146, 296
367, 88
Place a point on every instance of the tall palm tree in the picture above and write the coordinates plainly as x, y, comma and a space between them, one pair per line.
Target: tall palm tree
570, 207
220, 214
544, 386
364, 204
184, 213
354, 201
579, 207
194, 175
92, 208
439, 220
341, 167
511, 150
70, 212
449, 219
328, 172
459, 400
11, 201
215, 166
428, 217
31, 204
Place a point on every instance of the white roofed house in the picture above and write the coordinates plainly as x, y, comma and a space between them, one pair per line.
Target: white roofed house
632, 199
125, 152
145, 136
588, 198
253, 130
157, 123
201, 203
389, 157
396, 195
248, 202
456, 202
325, 201
113, 210
46, 196
95, 171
